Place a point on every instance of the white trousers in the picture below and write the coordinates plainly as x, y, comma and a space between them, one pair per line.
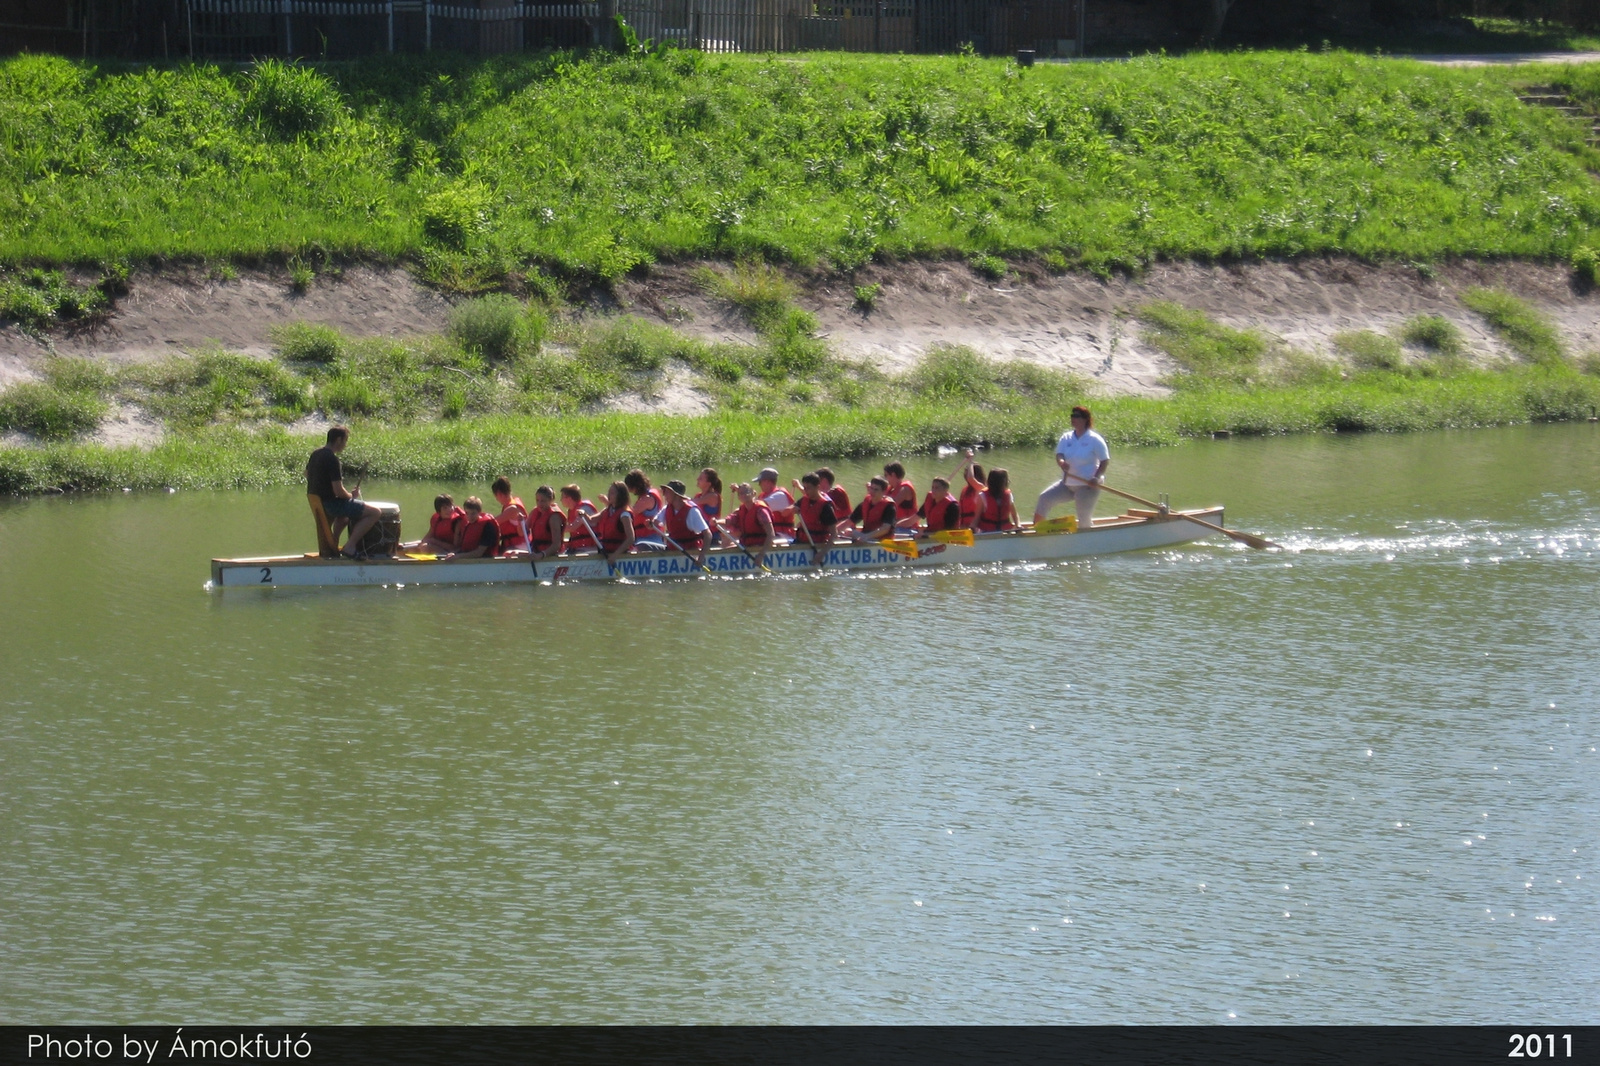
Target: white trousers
1064, 492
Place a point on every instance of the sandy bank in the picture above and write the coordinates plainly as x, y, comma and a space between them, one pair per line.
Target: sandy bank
1076, 322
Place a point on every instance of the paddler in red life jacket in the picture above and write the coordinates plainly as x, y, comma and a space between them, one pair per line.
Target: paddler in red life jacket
904, 495
814, 519
873, 517
940, 510
830, 489
513, 513
573, 505
751, 524
545, 525
996, 509
684, 522
442, 525
645, 509
478, 535
614, 525
709, 498
972, 474
779, 501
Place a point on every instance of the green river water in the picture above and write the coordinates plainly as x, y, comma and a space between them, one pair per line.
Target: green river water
1355, 781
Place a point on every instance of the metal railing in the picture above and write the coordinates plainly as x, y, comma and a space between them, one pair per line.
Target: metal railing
343, 28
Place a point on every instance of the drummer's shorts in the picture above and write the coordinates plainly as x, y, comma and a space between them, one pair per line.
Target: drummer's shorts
337, 508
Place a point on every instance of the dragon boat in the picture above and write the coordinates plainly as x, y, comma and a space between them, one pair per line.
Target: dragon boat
1134, 530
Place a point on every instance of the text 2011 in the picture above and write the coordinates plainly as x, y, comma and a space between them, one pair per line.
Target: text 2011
1540, 1045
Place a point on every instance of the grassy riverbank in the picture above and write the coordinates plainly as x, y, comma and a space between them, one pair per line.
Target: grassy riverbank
477, 449
589, 166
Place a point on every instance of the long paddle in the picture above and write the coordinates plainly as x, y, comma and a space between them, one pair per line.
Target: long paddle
523, 522
668, 538
800, 520
739, 544
1244, 538
611, 569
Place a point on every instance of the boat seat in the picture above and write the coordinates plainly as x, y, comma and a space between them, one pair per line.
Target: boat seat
327, 547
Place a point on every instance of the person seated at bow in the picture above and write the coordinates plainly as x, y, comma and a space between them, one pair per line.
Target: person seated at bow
613, 527
512, 517
545, 525
780, 502
442, 525
645, 509
814, 519
940, 511
684, 523
874, 516
996, 509
751, 524
577, 513
478, 536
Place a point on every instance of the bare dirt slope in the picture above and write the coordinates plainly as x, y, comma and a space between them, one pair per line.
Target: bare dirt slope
1076, 322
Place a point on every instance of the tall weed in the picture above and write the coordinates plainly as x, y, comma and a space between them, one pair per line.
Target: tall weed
1529, 332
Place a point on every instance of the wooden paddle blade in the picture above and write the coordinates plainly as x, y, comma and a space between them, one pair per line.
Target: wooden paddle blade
962, 537
1251, 539
900, 547
1064, 524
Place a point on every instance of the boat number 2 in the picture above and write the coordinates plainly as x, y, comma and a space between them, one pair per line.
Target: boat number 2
266, 575
1531, 1046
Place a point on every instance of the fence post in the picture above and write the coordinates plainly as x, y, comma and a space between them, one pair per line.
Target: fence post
427, 25
288, 28
390, 8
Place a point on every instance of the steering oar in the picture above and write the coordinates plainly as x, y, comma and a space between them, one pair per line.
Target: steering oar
1244, 538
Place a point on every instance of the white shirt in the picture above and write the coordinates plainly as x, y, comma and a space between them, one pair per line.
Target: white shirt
1083, 454
779, 500
696, 521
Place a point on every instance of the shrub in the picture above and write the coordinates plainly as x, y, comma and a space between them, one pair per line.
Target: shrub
301, 275
990, 266
456, 214
344, 393
1203, 348
36, 298
497, 327
1441, 337
213, 385
291, 101
1370, 351
308, 342
1528, 331
762, 293
631, 343
953, 374
1586, 265
78, 375
49, 412
867, 296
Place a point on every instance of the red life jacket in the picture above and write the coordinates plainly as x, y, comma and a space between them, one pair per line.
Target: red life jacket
443, 526
578, 538
748, 521
511, 528
810, 514
677, 523
645, 510
782, 524
934, 512
841, 501
969, 506
903, 509
992, 516
608, 527
477, 531
874, 515
539, 536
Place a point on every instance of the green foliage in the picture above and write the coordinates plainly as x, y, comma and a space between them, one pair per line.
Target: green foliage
290, 101
1206, 350
1438, 335
636, 345
37, 298
1585, 264
48, 411
71, 374
867, 296
990, 266
956, 375
216, 385
497, 327
758, 290
1368, 350
591, 165
1528, 331
301, 275
308, 342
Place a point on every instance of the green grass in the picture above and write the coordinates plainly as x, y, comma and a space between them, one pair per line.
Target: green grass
590, 166
1370, 350
1435, 334
1526, 329
1207, 351
479, 448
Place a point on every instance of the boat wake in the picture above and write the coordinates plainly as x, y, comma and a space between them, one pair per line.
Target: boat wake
1484, 541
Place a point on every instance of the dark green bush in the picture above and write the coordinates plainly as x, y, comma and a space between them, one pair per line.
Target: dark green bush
497, 327
308, 342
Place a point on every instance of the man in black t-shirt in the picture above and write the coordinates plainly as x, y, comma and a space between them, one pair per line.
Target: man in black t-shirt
325, 479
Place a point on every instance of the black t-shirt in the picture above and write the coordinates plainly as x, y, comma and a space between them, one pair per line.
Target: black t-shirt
322, 470
825, 518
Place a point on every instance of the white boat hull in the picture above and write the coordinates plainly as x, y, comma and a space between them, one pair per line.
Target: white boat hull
1123, 534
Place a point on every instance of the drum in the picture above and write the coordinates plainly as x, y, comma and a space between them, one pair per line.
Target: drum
384, 536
